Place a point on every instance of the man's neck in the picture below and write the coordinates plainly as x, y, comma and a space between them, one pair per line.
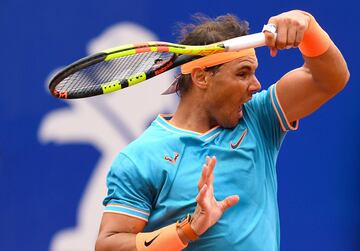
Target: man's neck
192, 115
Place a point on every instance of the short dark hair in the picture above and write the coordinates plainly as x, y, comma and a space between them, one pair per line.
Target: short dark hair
204, 31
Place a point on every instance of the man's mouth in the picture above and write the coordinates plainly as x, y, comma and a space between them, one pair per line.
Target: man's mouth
242, 105
248, 99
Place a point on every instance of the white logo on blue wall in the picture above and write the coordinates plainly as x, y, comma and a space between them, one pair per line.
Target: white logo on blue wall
82, 121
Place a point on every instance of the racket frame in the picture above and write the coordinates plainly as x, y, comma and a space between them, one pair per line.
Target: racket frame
181, 54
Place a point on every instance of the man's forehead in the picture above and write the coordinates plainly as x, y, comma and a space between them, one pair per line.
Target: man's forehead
248, 61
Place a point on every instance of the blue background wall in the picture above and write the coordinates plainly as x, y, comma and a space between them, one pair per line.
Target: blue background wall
43, 183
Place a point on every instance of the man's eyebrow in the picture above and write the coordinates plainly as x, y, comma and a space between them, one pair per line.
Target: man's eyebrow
247, 67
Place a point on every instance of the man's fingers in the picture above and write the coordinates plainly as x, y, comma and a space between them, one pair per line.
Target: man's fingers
207, 174
273, 51
200, 198
281, 38
270, 39
299, 37
204, 177
210, 174
208, 159
291, 27
291, 37
229, 202
270, 31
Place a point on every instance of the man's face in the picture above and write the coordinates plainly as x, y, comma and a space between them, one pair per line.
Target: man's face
232, 85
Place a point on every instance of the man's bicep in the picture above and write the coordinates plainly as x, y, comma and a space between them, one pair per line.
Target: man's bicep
299, 95
118, 232
112, 223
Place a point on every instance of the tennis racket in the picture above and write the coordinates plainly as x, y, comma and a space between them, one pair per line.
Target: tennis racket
127, 65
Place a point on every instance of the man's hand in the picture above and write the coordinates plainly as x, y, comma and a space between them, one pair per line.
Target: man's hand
291, 27
208, 210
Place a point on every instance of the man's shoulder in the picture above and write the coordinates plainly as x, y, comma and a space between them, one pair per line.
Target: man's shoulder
153, 138
152, 152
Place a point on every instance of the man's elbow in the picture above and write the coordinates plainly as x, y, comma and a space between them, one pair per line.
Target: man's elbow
346, 77
342, 80
100, 244
335, 80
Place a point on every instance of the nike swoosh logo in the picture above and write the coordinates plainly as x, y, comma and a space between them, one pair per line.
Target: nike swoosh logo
148, 243
236, 145
172, 160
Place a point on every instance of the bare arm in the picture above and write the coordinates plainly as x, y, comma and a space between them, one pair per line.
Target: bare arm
303, 90
118, 232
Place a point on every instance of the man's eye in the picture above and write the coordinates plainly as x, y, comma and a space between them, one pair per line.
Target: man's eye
241, 74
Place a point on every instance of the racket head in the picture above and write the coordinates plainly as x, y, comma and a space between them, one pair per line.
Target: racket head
121, 67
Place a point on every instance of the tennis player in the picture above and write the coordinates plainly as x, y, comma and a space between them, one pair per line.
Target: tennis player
178, 186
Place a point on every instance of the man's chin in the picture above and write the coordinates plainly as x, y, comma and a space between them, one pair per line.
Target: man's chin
231, 124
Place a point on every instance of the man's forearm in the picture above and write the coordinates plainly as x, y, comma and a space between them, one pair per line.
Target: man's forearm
116, 242
328, 70
127, 241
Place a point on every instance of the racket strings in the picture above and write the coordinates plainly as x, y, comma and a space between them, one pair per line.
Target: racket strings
90, 79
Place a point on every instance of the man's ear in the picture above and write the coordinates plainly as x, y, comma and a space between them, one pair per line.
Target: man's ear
199, 78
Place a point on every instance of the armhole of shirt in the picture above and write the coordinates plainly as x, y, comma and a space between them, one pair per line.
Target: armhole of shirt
284, 122
127, 210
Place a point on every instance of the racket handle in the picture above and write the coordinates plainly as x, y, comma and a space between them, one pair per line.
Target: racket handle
245, 42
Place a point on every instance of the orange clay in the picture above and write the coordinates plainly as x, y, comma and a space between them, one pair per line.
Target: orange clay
315, 41
215, 59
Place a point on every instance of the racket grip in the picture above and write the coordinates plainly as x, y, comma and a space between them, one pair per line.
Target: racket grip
245, 42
